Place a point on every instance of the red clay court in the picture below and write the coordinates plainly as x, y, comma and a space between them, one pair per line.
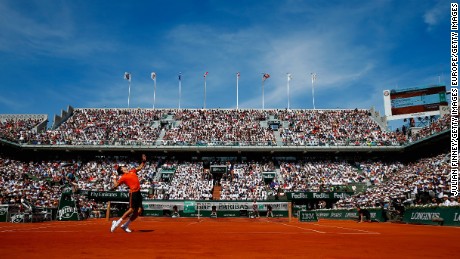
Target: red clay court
227, 238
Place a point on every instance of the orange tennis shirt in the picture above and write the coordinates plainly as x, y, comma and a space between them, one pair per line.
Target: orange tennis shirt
131, 180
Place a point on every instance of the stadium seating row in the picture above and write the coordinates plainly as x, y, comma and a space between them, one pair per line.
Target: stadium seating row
421, 182
214, 127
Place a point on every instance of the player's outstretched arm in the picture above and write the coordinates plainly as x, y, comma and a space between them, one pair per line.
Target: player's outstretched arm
144, 159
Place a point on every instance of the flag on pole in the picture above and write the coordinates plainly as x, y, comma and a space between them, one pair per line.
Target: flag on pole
153, 75
205, 74
238, 74
265, 77
128, 76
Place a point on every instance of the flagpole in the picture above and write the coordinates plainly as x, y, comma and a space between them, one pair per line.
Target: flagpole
313, 79
129, 91
153, 75
180, 87
154, 91
204, 103
289, 96
237, 78
204, 93
127, 76
263, 96
265, 76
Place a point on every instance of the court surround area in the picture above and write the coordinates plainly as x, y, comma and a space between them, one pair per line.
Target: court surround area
225, 238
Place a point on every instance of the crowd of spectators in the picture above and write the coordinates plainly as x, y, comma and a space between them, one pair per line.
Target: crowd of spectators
220, 127
426, 181
432, 128
38, 182
245, 182
215, 127
102, 127
319, 176
41, 182
18, 130
335, 127
189, 182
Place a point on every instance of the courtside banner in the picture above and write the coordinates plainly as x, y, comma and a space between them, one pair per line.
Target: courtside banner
376, 214
318, 195
124, 196
307, 216
223, 208
449, 216
109, 196
220, 205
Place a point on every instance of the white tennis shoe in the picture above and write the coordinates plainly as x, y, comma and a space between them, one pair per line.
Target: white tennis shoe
114, 226
126, 229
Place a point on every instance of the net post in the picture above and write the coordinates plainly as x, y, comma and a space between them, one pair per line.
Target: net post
290, 211
107, 213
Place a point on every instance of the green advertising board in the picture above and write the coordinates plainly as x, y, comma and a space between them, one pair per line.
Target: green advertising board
157, 208
307, 216
318, 195
439, 215
189, 206
109, 196
352, 214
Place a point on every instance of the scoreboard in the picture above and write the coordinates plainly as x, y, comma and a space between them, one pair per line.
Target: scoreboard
415, 101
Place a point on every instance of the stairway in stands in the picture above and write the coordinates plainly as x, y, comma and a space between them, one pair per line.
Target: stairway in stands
279, 140
216, 192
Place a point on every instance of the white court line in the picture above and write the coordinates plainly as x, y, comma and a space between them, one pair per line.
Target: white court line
270, 232
317, 231
45, 231
22, 229
47, 226
370, 233
353, 229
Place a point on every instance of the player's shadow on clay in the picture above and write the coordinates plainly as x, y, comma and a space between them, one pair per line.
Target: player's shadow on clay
146, 230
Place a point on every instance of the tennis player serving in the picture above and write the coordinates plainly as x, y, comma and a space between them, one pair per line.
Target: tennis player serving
129, 177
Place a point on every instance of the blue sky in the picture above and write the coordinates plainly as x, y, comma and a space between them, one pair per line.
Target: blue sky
59, 53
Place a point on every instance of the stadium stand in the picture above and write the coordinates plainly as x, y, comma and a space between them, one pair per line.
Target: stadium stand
172, 175
421, 182
317, 175
245, 182
220, 127
213, 127
20, 128
335, 127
